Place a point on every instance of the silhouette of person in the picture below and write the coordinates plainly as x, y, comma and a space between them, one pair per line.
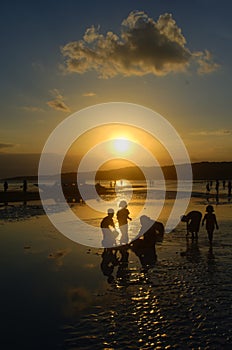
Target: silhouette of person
224, 184
229, 189
123, 217
207, 190
5, 185
144, 246
193, 221
217, 190
24, 185
108, 230
211, 222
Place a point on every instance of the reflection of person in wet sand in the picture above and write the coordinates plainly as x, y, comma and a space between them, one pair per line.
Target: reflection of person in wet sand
193, 220
211, 222
123, 217
192, 252
108, 230
109, 261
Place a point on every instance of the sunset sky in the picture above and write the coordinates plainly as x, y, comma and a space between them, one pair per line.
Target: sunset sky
58, 57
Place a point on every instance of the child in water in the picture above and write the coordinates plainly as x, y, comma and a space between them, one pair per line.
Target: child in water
123, 217
211, 222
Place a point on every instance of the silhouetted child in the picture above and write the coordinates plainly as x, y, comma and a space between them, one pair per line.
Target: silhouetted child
123, 217
211, 222
108, 230
229, 188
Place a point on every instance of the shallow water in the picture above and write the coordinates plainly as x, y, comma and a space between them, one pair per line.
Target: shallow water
54, 294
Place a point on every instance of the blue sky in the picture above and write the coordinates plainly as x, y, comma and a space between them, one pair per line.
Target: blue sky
39, 89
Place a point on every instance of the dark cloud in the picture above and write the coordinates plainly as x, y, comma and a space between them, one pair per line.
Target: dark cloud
144, 47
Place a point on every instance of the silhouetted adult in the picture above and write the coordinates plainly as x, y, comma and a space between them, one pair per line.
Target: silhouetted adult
5, 185
217, 190
193, 221
24, 185
229, 189
150, 233
211, 222
123, 217
207, 190
108, 230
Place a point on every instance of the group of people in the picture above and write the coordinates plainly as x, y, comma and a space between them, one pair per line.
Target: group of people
110, 234
116, 249
194, 218
6, 186
209, 186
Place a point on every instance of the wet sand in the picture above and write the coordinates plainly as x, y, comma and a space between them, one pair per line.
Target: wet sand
54, 294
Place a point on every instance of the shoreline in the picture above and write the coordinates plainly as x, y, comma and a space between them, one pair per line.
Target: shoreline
19, 196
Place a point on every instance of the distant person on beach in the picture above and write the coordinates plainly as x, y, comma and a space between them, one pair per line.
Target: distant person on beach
217, 190
5, 185
108, 230
207, 190
123, 217
24, 185
193, 221
229, 189
211, 222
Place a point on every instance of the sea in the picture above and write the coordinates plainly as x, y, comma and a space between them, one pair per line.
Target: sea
56, 293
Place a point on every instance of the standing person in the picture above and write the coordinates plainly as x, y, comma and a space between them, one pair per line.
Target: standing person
207, 191
229, 189
123, 217
211, 222
217, 190
24, 185
5, 186
108, 230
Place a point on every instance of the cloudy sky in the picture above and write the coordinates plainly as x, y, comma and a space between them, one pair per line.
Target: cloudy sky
174, 57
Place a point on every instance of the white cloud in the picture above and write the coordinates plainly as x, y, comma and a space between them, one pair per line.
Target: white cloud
144, 47
89, 94
32, 109
220, 132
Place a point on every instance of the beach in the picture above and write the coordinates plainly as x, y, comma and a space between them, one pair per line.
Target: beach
55, 295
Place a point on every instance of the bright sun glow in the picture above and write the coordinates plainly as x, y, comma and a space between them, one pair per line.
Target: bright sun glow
121, 145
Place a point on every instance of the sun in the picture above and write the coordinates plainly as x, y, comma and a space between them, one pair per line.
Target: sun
121, 145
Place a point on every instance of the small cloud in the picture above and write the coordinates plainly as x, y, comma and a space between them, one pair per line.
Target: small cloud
32, 109
6, 145
145, 46
206, 63
89, 94
58, 102
220, 132
37, 66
